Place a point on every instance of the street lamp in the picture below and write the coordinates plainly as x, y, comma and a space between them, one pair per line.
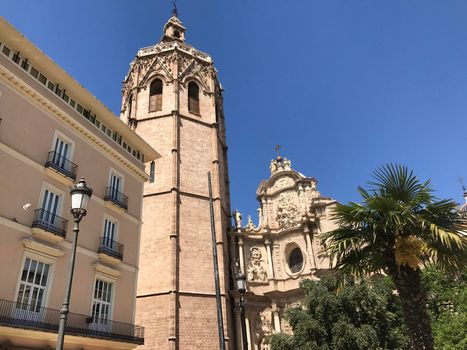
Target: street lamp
241, 288
80, 194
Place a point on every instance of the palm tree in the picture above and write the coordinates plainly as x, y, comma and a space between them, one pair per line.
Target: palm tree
397, 229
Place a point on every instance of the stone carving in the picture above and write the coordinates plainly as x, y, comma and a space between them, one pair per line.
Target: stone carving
287, 164
287, 213
282, 182
250, 226
273, 167
263, 329
238, 219
256, 271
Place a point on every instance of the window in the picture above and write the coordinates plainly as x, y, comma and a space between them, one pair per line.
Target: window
116, 184
34, 72
50, 206
61, 154
176, 34
42, 78
62, 151
6, 51
296, 260
15, 57
101, 305
152, 171
25, 64
33, 286
155, 96
110, 233
193, 97
130, 106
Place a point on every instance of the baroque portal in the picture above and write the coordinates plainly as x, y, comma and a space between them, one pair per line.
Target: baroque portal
280, 250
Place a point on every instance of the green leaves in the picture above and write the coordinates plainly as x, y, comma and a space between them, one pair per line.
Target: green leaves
396, 204
358, 315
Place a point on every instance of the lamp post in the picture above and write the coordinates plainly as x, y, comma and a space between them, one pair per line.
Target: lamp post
80, 194
241, 288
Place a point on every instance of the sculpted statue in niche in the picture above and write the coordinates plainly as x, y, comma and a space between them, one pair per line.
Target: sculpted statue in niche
263, 329
287, 213
256, 271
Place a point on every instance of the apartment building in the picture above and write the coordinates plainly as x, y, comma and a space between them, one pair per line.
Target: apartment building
53, 132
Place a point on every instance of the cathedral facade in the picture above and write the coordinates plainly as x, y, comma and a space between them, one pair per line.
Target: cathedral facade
280, 251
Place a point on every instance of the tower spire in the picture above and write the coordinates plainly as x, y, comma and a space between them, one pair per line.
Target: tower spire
174, 10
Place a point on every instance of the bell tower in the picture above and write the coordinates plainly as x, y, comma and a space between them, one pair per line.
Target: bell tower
172, 98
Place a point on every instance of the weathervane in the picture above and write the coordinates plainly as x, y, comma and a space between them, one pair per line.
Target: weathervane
174, 10
278, 148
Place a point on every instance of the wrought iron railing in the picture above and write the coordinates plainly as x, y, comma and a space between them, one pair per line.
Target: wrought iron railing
25, 316
110, 247
116, 197
61, 164
50, 222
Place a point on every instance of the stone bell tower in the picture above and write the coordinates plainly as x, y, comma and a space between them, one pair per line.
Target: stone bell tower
173, 99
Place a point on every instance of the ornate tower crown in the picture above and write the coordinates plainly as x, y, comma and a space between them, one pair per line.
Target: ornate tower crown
174, 29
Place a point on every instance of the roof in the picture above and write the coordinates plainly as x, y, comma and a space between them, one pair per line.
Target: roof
19, 43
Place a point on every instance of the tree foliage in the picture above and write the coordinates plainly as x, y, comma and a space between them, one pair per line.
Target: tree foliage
363, 315
397, 228
447, 306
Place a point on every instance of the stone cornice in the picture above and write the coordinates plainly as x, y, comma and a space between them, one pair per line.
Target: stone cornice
45, 103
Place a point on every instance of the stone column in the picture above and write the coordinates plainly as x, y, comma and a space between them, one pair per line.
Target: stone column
238, 323
264, 213
248, 330
267, 243
309, 249
240, 255
276, 318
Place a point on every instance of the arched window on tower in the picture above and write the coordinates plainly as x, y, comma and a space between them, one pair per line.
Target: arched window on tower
130, 106
155, 96
193, 97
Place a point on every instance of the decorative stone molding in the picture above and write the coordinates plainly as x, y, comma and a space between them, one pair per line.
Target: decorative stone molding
47, 253
263, 328
287, 212
106, 272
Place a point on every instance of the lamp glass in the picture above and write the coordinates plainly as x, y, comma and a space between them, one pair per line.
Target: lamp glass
79, 200
241, 282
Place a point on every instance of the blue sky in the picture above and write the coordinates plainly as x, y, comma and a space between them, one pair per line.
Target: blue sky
343, 86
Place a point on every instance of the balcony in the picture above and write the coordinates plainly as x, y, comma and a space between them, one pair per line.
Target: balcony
110, 251
116, 198
61, 166
49, 226
24, 316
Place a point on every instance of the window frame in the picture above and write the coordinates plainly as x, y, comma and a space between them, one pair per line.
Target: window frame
190, 110
51, 188
113, 171
151, 110
114, 220
44, 260
60, 135
113, 282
